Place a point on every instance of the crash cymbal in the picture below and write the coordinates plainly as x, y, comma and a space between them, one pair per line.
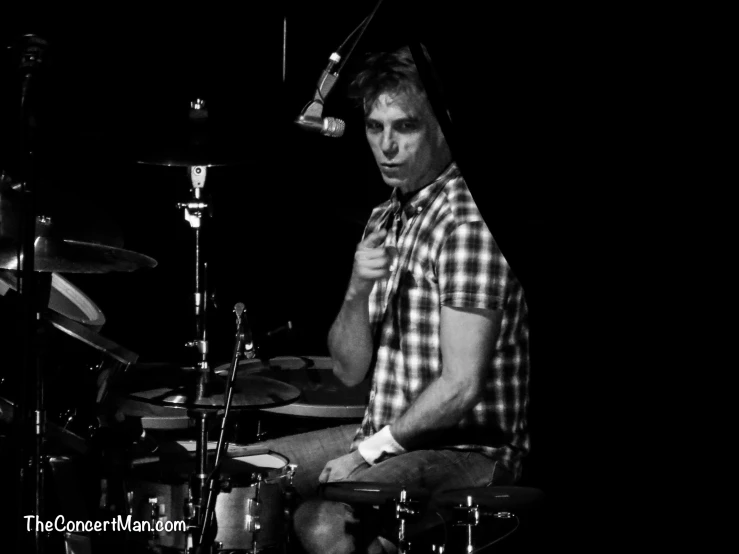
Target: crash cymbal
174, 386
66, 239
71, 256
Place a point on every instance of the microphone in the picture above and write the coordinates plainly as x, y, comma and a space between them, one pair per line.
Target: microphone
328, 126
243, 323
311, 118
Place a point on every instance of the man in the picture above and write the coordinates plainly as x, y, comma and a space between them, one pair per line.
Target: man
432, 314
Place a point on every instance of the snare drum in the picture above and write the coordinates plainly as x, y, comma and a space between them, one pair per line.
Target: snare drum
249, 510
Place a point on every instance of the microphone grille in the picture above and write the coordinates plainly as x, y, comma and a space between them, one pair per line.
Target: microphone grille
333, 127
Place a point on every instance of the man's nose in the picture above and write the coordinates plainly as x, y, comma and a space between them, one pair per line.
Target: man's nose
388, 144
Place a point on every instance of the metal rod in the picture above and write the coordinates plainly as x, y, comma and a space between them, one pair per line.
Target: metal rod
284, 48
238, 347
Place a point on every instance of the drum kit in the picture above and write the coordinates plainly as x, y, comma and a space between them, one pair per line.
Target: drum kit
226, 496
229, 497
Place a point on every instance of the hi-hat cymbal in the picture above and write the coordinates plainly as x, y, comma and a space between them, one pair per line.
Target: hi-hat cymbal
174, 386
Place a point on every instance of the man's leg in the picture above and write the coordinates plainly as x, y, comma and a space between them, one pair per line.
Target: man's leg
310, 452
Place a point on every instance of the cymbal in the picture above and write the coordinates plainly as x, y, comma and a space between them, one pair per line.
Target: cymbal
66, 239
71, 256
182, 153
323, 395
174, 386
195, 141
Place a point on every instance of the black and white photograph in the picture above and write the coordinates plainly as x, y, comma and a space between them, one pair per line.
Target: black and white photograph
298, 278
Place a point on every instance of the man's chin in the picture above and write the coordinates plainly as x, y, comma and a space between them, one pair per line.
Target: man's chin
393, 181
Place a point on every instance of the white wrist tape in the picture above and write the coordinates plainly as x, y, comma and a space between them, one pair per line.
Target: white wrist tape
379, 445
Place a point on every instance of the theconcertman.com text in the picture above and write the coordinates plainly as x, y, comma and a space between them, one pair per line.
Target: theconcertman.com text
116, 524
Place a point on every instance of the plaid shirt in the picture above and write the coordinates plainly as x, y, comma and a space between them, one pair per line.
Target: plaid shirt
447, 257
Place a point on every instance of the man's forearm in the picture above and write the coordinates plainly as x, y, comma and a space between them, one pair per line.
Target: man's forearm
441, 406
350, 341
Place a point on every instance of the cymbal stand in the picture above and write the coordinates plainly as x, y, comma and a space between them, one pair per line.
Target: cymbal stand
34, 289
195, 210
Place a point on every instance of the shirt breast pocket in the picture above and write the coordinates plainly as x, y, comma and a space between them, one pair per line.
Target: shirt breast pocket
418, 298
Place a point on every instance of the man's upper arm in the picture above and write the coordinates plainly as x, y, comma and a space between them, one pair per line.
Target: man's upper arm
468, 337
472, 275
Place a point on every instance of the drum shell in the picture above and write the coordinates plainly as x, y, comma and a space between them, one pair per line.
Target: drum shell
244, 478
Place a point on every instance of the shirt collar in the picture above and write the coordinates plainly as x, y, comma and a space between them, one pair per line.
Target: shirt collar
423, 197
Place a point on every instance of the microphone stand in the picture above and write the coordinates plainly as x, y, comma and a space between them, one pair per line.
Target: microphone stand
312, 114
241, 341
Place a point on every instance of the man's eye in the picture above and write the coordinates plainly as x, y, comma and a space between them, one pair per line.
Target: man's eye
408, 126
373, 127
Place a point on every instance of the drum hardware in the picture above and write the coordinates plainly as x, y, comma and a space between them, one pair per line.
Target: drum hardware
405, 509
497, 502
406, 502
242, 342
32, 244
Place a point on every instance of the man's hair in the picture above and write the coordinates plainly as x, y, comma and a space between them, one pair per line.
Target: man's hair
392, 72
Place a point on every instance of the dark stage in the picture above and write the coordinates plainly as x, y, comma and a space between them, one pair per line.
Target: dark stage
289, 207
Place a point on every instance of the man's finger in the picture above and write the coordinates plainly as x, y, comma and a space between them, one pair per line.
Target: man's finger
323, 477
375, 239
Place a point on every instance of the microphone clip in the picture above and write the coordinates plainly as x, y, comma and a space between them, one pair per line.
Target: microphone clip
314, 109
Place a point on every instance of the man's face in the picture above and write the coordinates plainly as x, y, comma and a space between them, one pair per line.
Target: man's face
406, 140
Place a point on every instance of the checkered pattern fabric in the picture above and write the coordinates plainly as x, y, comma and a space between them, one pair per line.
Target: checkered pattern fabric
447, 257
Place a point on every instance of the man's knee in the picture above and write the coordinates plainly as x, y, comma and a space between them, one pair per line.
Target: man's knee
320, 526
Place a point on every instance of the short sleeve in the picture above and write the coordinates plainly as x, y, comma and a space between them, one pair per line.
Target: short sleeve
471, 269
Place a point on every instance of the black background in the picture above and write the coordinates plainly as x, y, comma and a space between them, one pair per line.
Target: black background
538, 105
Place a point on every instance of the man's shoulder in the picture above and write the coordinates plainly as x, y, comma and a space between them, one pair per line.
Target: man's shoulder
458, 202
